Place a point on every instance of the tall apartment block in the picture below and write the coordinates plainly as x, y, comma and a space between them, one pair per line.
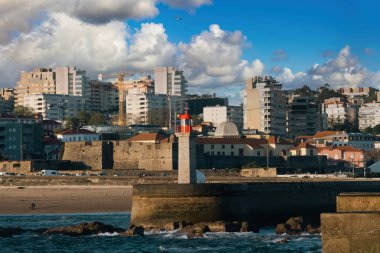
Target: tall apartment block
103, 96
304, 116
170, 81
40, 80
71, 81
265, 106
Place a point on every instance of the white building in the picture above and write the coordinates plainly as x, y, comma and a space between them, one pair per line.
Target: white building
71, 81
75, 135
369, 115
170, 81
218, 114
153, 109
55, 106
338, 111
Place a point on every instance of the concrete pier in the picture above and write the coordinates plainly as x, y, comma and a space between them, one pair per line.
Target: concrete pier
263, 203
356, 225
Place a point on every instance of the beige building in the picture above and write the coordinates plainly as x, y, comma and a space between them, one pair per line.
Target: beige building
170, 81
369, 115
40, 80
218, 114
265, 106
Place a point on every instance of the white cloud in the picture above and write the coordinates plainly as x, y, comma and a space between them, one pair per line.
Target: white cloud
21, 16
187, 4
343, 70
214, 58
64, 40
150, 48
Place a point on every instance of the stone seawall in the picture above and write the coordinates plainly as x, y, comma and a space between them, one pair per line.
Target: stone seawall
263, 203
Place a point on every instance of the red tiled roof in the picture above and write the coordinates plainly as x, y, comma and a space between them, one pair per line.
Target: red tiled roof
254, 143
322, 134
277, 140
77, 131
154, 137
303, 145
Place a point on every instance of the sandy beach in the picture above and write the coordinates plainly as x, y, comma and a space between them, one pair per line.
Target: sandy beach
65, 199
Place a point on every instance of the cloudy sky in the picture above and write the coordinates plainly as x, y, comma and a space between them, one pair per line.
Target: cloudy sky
219, 43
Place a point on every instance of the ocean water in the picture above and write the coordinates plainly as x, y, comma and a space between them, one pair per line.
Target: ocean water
265, 241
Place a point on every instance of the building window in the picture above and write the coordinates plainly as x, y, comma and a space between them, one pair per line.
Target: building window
232, 146
258, 153
223, 146
212, 146
311, 152
218, 153
232, 153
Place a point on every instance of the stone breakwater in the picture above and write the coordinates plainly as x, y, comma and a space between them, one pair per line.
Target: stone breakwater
260, 203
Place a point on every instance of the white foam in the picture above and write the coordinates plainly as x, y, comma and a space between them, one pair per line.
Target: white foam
108, 234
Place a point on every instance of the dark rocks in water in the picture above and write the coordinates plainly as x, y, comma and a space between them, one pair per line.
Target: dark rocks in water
196, 230
9, 232
133, 231
295, 226
309, 229
83, 229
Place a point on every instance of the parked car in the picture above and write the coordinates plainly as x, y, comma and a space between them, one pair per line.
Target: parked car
6, 174
49, 173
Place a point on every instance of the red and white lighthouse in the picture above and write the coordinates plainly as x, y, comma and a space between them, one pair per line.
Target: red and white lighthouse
186, 151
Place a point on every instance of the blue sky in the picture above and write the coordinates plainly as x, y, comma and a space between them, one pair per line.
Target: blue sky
218, 43
304, 29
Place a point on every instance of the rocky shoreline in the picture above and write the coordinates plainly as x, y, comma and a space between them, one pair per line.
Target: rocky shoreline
293, 226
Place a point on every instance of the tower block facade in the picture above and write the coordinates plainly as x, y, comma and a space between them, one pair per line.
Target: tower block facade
186, 151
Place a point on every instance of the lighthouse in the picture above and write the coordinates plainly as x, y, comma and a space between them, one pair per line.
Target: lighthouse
186, 151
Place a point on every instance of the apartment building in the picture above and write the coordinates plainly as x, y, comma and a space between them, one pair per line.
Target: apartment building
40, 80
20, 138
369, 115
61, 80
304, 116
218, 114
103, 96
338, 111
7, 98
196, 103
55, 106
71, 81
265, 106
170, 81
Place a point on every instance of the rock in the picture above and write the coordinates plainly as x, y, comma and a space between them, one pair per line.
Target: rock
172, 226
247, 227
309, 229
281, 229
295, 223
9, 232
294, 226
217, 226
83, 229
133, 231
196, 230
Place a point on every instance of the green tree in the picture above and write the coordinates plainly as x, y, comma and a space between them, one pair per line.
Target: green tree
368, 130
71, 123
305, 91
324, 92
83, 118
96, 119
23, 111
376, 129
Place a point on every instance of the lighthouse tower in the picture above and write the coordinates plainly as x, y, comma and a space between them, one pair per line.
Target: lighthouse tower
186, 151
